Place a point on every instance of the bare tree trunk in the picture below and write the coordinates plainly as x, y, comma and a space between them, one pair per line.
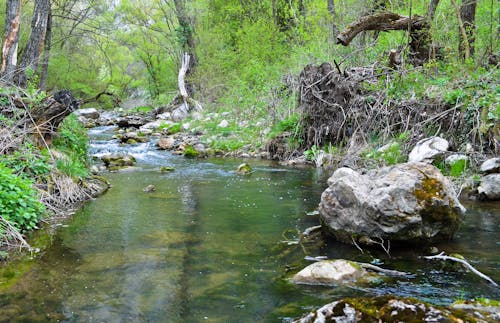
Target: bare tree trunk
11, 40
331, 7
468, 17
46, 53
431, 10
31, 54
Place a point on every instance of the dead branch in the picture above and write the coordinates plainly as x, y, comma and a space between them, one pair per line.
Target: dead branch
96, 98
384, 21
442, 256
382, 270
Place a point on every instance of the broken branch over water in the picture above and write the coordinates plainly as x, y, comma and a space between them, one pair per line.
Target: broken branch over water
442, 256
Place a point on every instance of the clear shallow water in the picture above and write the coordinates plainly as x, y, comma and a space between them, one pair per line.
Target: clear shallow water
205, 247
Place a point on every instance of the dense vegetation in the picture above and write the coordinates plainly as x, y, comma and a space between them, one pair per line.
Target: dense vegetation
246, 58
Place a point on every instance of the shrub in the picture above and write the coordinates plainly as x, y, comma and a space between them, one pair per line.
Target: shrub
18, 200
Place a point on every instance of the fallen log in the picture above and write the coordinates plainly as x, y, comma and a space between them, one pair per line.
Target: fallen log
417, 26
48, 115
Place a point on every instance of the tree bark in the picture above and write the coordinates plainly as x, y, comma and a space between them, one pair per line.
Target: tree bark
31, 54
46, 53
468, 17
331, 7
431, 10
11, 40
49, 115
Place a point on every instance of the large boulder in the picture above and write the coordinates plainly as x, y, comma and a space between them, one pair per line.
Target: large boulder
411, 202
328, 272
489, 189
426, 150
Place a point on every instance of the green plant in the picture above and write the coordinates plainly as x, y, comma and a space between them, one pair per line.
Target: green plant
458, 167
72, 140
312, 153
190, 152
27, 162
18, 200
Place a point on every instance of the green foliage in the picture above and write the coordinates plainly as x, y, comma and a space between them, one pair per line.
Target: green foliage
72, 140
391, 153
312, 153
28, 162
18, 200
190, 152
458, 168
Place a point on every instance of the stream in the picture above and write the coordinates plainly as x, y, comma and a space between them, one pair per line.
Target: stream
212, 246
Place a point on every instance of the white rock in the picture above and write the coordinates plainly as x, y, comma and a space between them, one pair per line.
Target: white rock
328, 272
489, 189
223, 124
164, 116
89, 113
427, 149
491, 165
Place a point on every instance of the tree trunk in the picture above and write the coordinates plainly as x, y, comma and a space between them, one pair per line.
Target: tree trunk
31, 54
11, 40
187, 30
46, 53
468, 16
431, 10
331, 7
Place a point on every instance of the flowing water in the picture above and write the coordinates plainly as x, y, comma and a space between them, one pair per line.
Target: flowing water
211, 246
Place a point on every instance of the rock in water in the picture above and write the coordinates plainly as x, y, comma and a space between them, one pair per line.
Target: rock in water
118, 160
491, 165
150, 188
427, 149
410, 202
244, 169
328, 272
489, 189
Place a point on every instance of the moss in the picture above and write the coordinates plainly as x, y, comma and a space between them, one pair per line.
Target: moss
244, 169
166, 169
430, 188
190, 152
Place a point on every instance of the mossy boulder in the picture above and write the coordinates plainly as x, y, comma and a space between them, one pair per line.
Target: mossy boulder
118, 160
387, 309
411, 202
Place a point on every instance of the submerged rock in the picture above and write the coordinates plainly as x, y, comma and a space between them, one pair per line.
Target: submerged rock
489, 189
386, 309
410, 202
329, 272
426, 150
150, 188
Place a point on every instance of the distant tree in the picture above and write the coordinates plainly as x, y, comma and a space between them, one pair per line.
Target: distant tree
468, 28
11, 40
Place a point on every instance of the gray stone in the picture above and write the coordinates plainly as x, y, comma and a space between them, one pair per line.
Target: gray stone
410, 202
132, 137
489, 189
223, 124
426, 150
491, 165
180, 113
89, 113
328, 272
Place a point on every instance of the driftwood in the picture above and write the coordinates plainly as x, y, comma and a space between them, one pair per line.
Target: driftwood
416, 25
48, 115
442, 256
